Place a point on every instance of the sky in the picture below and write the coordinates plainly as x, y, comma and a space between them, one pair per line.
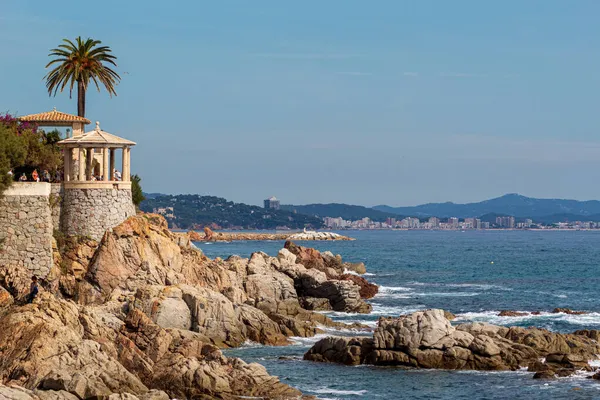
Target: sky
364, 102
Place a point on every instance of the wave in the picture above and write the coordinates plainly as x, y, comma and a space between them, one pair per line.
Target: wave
394, 311
392, 289
307, 341
326, 390
481, 286
492, 317
349, 272
447, 294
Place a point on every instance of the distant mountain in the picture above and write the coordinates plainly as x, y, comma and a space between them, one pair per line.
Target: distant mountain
555, 218
510, 204
195, 211
336, 210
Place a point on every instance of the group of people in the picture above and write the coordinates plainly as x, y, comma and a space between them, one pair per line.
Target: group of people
58, 176
45, 176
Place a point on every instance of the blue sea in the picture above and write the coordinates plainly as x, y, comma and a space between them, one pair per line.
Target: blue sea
473, 274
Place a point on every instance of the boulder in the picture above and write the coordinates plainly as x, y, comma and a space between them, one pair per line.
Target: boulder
367, 290
509, 313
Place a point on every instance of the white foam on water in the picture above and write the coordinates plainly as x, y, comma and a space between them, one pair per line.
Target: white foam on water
308, 341
326, 390
480, 286
387, 311
595, 363
392, 289
249, 344
446, 294
493, 318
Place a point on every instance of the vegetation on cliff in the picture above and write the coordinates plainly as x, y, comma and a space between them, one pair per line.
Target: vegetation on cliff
195, 211
24, 148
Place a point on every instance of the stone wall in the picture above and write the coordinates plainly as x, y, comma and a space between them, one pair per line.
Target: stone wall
26, 227
56, 196
91, 212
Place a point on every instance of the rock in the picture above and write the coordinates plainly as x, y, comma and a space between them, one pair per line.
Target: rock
419, 329
508, 313
359, 268
425, 339
544, 375
367, 290
165, 306
315, 303
6, 300
449, 316
208, 234
349, 351
568, 311
42, 345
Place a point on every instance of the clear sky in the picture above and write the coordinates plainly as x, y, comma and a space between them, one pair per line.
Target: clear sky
363, 102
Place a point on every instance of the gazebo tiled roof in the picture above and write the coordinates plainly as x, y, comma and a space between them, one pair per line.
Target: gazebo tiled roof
54, 117
97, 137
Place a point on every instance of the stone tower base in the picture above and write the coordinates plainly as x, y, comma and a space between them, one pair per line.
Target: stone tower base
92, 211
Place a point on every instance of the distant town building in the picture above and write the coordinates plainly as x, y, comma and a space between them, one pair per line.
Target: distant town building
435, 222
453, 222
272, 203
505, 222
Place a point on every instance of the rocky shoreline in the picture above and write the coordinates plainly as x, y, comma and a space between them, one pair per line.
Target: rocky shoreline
143, 313
426, 339
211, 236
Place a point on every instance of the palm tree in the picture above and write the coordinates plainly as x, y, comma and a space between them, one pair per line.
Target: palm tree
79, 63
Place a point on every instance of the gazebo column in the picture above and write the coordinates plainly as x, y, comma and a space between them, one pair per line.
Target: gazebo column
126, 176
112, 164
82, 164
105, 167
67, 162
128, 150
90, 160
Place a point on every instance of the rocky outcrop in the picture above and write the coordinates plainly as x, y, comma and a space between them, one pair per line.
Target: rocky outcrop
56, 348
426, 339
145, 310
313, 235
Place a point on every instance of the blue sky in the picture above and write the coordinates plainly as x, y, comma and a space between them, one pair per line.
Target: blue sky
364, 102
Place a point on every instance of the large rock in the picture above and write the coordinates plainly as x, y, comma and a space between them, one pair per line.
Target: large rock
42, 346
426, 339
57, 350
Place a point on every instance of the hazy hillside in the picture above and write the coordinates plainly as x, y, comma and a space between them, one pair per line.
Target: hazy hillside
510, 204
345, 211
195, 211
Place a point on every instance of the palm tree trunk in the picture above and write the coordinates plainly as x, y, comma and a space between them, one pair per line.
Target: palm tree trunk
80, 99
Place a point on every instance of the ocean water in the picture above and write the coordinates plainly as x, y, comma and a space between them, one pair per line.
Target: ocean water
473, 274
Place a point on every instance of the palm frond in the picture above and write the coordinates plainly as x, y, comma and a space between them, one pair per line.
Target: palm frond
81, 61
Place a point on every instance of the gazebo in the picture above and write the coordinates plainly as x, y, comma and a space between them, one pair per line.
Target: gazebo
56, 118
92, 155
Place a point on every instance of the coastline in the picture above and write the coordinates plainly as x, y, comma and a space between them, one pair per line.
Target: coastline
257, 236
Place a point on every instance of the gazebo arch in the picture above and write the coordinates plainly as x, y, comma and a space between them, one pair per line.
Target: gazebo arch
100, 146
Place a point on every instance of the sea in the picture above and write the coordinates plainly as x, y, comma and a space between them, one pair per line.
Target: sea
473, 274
